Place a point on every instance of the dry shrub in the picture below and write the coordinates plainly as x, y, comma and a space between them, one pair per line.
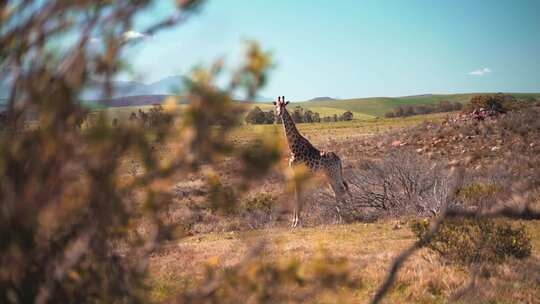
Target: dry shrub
401, 183
469, 241
477, 194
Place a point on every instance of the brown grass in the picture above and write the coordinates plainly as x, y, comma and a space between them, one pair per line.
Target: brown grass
369, 249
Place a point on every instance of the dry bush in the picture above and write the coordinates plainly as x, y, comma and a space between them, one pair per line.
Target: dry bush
401, 183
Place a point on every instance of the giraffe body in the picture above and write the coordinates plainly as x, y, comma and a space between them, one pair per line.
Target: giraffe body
303, 152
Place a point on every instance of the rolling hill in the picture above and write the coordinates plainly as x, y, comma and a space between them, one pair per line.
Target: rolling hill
378, 106
124, 89
322, 99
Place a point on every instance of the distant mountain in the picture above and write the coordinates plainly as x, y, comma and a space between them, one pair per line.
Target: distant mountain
417, 95
322, 98
141, 100
166, 86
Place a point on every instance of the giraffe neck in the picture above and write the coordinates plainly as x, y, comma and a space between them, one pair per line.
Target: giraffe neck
290, 128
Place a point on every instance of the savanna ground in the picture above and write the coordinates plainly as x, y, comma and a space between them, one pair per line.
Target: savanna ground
362, 247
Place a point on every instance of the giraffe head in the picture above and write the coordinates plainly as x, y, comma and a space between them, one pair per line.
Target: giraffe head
280, 105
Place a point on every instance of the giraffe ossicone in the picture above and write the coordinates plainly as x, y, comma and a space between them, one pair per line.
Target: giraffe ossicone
302, 152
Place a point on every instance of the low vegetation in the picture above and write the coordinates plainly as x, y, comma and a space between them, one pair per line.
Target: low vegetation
409, 110
299, 115
472, 241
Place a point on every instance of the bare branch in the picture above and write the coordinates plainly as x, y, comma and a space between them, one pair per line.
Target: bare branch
398, 261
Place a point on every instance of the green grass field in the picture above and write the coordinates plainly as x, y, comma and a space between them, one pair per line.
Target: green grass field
378, 106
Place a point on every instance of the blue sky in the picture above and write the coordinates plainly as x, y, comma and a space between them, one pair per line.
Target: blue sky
349, 49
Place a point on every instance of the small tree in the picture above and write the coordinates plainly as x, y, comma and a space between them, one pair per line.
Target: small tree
457, 106
347, 116
256, 116
298, 114
133, 117
487, 102
156, 116
316, 117
270, 117
445, 106
408, 110
308, 116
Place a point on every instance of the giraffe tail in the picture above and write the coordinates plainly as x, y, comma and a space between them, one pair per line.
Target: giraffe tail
346, 185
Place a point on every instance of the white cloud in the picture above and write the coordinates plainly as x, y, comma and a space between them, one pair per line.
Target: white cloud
95, 40
480, 72
131, 35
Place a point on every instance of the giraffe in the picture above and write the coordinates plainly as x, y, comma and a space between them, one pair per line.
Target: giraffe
303, 152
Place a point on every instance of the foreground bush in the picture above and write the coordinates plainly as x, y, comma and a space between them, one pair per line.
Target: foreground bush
260, 280
470, 241
75, 227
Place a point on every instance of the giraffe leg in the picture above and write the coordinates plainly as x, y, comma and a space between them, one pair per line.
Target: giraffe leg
297, 209
339, 218
338, 212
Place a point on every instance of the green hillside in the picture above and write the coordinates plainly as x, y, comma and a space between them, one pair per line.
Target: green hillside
378, 106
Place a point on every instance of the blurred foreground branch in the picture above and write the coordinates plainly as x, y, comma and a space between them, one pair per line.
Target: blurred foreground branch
75, 225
